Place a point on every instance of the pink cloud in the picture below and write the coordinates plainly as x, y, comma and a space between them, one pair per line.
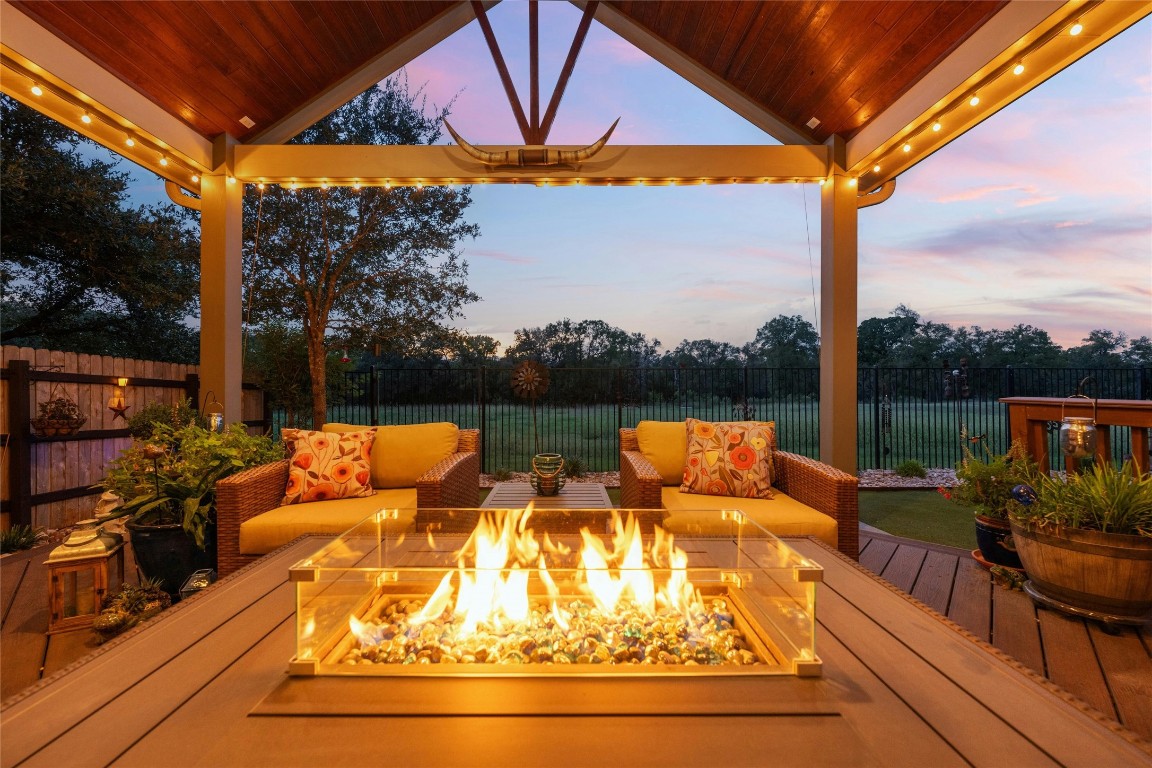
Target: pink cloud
503, 256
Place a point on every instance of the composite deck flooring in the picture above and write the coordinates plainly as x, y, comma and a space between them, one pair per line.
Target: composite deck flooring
1108, 668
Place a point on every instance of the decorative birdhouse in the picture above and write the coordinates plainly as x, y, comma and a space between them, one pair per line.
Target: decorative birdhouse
81, 573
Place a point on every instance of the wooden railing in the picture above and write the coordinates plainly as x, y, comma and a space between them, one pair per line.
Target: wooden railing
1029, 418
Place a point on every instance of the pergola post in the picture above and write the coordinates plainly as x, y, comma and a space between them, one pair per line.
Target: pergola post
838, 234
221, 275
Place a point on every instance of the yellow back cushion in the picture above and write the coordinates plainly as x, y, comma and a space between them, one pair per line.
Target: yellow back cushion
665, 444
404, 452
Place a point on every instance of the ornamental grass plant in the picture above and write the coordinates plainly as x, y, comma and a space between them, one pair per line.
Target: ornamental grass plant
1103, 498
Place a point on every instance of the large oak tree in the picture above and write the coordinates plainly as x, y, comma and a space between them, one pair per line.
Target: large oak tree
376, 268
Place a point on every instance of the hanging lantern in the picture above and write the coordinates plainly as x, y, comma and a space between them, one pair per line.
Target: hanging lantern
81, 573
1078, 433
213, 411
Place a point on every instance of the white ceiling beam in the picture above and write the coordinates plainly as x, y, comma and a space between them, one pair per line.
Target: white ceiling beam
702, 78
44, 54
439, 164
438, 29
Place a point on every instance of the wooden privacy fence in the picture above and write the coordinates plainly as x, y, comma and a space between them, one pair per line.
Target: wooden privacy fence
47, 481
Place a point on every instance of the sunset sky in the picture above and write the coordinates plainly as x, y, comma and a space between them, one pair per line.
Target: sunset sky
1041, 215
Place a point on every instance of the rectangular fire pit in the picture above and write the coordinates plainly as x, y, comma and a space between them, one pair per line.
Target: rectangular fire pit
498, 593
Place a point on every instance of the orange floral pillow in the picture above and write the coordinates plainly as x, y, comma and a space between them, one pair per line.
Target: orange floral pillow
731, 458
328, 465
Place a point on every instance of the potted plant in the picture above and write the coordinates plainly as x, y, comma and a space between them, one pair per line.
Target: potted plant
986, 484
1086, 541
59, 415
168, 483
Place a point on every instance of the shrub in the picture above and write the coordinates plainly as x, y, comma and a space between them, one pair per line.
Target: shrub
20, 537
502, 474
911, 468
987, 483
575, 467
176, 415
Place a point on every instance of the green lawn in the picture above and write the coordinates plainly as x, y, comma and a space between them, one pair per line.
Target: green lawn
920, 515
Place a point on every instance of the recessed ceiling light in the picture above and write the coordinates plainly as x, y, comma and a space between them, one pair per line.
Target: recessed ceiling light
1018, 69
1076, 29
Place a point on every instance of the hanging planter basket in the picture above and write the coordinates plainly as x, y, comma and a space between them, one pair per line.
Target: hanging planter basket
59, 416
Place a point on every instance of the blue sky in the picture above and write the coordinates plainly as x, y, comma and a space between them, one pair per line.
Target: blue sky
1041, 215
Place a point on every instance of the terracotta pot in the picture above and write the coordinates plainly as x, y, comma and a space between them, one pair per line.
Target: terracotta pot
1108, 573
997, 545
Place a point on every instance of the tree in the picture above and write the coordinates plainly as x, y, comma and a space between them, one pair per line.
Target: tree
81, 270
881, 341
705, 353
568, 344
360, 267
785, 342
1101, 349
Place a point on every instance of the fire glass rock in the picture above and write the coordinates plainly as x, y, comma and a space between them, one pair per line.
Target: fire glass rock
706, 638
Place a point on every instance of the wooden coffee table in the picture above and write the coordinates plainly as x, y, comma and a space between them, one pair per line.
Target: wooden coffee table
901, 685
571, 496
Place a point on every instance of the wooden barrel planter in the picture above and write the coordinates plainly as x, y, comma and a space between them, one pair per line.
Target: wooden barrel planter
1098, 573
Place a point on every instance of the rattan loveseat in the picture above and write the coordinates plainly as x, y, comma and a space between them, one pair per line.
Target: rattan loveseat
813, 484
453, 482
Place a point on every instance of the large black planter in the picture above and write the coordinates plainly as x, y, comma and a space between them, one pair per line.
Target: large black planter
168, 554
994, 537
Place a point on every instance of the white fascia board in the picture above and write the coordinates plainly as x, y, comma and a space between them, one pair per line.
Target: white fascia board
1001, 33
45, 50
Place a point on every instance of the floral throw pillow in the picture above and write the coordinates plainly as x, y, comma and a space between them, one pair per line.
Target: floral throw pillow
731, 458
328, 465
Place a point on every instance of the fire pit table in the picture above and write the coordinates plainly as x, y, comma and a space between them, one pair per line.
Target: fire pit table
205, 683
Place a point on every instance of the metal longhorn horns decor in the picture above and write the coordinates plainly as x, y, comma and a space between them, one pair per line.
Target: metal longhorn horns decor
537, 156
530, 381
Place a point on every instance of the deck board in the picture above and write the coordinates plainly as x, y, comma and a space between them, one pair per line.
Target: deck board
1126, 662
934, 586
1097, 667
1066, 646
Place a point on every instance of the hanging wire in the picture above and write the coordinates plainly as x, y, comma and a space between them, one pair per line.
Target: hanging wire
811, 267
255, 256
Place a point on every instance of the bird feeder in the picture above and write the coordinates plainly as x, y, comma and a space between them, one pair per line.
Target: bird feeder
81, 573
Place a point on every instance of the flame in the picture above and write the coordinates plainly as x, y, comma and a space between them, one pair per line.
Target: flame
489, 589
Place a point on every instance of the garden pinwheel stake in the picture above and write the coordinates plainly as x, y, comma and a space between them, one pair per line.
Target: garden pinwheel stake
530, 380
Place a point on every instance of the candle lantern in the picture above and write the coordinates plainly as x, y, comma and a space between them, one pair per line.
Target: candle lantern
213, 411
81, 573
1078, 433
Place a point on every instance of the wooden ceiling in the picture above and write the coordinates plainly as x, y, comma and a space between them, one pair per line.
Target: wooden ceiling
213, 63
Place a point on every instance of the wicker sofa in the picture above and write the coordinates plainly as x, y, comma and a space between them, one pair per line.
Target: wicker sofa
246, 496
811, 498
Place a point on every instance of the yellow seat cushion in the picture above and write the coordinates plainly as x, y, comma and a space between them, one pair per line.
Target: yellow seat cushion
665, 444
404, 452
781, 515
276, 527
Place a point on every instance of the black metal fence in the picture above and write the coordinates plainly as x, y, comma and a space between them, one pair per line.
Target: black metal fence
903, 413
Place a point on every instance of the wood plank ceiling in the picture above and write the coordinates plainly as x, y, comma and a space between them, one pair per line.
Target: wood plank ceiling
213, 63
